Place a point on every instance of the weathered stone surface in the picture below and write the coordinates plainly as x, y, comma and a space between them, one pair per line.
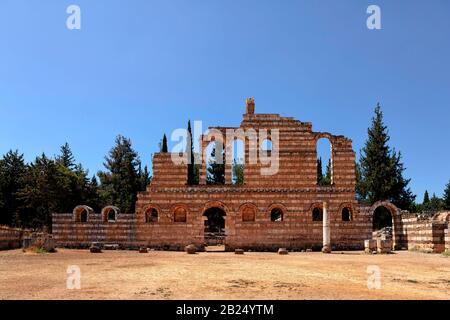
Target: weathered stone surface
239, 251
190, 249
282, 251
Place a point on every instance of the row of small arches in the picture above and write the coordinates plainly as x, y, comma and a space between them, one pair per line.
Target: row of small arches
248, 213
108, 213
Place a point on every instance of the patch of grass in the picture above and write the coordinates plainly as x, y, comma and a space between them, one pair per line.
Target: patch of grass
446, 253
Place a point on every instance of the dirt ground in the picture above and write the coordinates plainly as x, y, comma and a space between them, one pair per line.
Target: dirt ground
221, 275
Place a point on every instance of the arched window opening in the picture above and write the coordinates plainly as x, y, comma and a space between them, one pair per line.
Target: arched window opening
237, 169
266, 146
276, 215
346, 214
180, 215
248, 214
151, 215
324, 162
317, 214
215, 161
110, 214
83, 215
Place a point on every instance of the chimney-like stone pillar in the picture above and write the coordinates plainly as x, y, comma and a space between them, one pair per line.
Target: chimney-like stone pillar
326, 229
250, 106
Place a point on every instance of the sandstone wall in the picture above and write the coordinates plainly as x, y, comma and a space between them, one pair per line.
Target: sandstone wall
426, 234
11, 238
67, 232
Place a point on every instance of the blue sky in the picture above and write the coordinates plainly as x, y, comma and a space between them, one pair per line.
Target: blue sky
142, 68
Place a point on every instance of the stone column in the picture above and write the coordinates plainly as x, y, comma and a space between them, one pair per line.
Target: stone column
202, 174
326, 229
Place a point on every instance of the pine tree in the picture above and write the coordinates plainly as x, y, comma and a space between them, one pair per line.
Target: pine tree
121, 182
164, 144
12, 171
382, 169
43, 192
66, 157
446, 198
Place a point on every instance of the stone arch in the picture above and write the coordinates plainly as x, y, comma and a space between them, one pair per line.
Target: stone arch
180, 213
329, 138
216, 204
110, 214
274, 215
347, 215
397, 227
248, 212
442, 216
152, 213
81, 213
316, 212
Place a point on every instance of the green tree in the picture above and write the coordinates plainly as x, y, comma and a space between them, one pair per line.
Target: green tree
382, 169
238, 173
426, 198
216, 168
163, 144
190, 154
121, 181
43, 192
12, 171
144, 178
319, 171
66, 157
446, 198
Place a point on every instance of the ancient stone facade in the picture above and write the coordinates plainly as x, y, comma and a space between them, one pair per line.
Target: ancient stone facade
266, 212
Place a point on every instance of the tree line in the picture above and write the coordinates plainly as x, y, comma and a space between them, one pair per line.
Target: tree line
31, 192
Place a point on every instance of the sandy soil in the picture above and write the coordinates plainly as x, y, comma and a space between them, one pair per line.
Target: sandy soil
220, 275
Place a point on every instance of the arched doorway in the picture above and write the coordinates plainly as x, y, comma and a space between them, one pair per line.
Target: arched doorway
387, 217
382, 218
214, 219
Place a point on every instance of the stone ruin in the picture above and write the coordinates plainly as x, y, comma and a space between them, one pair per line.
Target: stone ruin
288, 209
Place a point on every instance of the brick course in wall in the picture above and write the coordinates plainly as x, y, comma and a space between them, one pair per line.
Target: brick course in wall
11, 238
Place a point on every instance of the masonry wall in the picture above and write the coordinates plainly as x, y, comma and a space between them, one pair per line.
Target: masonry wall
447, 239
426, 234
11, 238
69, 233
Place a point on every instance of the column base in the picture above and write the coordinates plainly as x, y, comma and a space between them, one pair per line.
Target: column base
326, 249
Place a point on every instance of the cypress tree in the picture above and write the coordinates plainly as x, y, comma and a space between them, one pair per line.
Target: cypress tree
319, 171
190, 154
164, 144
426, 198
382, 169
